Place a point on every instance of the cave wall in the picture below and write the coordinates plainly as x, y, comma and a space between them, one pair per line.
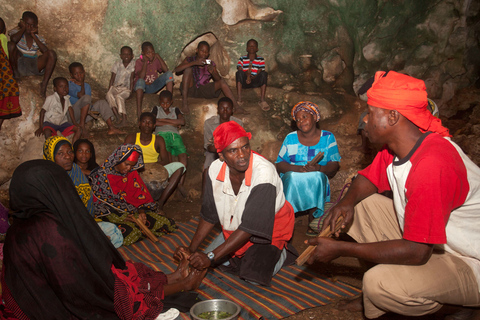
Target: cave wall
310, 46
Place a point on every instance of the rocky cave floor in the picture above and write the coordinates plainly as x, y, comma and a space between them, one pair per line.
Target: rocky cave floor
464, 126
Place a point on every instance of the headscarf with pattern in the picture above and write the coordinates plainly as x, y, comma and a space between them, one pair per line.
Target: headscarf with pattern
307, 106
50, 149
122, 192
51, 146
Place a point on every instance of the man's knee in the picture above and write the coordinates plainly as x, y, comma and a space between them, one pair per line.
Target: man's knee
52, 55
168, 76
140, 85
240, 76
263, 76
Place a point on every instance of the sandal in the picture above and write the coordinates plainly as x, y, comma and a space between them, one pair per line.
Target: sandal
264, 105
311, 233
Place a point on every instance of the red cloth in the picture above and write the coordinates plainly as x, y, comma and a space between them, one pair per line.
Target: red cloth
228, 132
133, 157
131, 188
407, 95
138, 292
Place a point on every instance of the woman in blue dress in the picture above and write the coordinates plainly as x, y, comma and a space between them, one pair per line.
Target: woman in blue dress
306, 186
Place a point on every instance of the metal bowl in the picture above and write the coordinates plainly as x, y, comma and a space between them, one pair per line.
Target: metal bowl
215, 305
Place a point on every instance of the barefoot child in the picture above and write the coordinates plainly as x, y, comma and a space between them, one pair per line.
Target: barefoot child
81, 99
121, 84
9, 101
251, 74
24, 47
53, 116
197, 73
154, 150
151, 74
169, 119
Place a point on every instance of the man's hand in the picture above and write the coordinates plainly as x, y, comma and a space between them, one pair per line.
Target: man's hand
211, 68
199, 260
39, 132
33, 31
199, 62
346, 210
179, 253
327, 250
21, 24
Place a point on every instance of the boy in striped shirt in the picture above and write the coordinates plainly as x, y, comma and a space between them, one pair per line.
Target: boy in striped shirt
251, 74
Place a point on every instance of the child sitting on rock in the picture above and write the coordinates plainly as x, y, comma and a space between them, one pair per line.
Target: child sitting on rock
151, 74
81, 99
251, 74
169, 119
53, 116
121, 84
197, 73
25, 42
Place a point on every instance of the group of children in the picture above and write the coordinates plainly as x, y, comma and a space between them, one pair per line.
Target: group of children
71, 106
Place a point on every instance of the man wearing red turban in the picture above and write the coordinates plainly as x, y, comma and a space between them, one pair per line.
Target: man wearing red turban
436, 205
243, 193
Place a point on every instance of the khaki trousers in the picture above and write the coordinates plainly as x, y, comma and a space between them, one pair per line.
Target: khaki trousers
403, 289
116, 97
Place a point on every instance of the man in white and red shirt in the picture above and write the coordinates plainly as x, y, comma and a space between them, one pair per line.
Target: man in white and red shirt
244, 194
426, 242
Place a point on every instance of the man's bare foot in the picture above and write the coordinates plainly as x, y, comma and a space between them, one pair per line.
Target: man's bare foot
185, 109
354, 305
114, 130
182, 272
195, 278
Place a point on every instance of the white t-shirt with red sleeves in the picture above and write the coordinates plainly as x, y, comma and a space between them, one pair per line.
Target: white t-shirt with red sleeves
436, 195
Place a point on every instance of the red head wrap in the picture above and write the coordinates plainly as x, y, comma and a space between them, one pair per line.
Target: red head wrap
228, 132
408, 96
133, 157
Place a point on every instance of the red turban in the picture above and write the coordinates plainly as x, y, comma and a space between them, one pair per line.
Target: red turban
228, 132
408, 96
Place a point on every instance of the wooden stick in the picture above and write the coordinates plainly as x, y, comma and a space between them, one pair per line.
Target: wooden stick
325, 233
144, 229
316, 159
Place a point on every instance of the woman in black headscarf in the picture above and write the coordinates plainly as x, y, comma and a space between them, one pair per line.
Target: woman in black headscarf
54, 271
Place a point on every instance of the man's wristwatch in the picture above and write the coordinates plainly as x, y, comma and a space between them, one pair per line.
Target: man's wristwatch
211, 256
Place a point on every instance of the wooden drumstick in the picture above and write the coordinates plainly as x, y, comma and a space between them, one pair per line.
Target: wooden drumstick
325, 233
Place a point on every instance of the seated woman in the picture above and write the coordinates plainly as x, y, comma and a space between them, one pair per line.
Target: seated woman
306, 186
59, 150
53, 271
84, 154
119, 191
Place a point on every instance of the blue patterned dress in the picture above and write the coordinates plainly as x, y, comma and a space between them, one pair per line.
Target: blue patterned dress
306, 190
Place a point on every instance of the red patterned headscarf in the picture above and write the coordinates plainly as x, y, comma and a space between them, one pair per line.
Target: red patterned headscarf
407, 95
307, 106
228, 132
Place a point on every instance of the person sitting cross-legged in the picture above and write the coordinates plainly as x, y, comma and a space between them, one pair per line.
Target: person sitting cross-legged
155, 151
